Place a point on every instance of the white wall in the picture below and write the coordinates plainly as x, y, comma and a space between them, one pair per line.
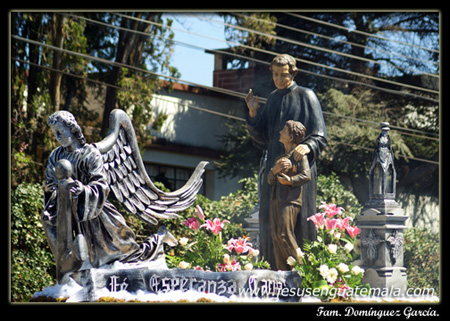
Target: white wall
193, 127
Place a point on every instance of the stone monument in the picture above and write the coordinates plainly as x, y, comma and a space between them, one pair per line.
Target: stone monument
382, 222
91, 241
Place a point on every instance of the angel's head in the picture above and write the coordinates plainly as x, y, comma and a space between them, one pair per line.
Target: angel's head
66, 129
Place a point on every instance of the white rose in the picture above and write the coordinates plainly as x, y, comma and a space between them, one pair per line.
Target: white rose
348, 247
248, 267
343, 268
332, 248
291, 261
183, 241
332, 275
300, 254
184, 265
253, 253
356, 270
324, 270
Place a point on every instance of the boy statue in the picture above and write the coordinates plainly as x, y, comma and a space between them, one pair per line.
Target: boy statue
287, 178
288, 102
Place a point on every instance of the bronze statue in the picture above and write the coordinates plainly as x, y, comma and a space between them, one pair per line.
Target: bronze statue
288, 102
82, 226
287, 178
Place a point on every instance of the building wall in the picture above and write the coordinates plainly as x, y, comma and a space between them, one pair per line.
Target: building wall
192, 127
189, 135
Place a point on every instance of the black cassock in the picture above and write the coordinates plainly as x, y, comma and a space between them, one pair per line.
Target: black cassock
299, 104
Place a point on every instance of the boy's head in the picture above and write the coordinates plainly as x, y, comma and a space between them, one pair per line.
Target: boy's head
296, 130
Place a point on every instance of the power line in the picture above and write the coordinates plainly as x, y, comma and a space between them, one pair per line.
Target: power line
122, 65
307, 45
391, 91
337, 40
400, 129
358, 31
298, 59
215, 112
400, 155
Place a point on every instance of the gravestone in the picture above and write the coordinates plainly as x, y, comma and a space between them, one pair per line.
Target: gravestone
382, 222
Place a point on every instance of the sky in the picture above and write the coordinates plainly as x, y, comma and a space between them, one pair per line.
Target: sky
194, 64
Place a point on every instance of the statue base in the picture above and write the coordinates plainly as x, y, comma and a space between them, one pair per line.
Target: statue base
385, 282
140, 281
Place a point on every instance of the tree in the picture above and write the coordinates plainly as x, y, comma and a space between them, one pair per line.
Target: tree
36, 92
313, 36
45, 79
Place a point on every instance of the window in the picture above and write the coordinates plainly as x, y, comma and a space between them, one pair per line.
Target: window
172, 177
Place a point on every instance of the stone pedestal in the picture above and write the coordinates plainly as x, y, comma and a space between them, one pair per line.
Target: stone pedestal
382, 222
382, 251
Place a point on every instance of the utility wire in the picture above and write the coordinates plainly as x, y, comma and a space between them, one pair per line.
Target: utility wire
400, 155
298, 59
335, 39
261, 99
358, 31
391, 91
215, 112
307, 45
122, 65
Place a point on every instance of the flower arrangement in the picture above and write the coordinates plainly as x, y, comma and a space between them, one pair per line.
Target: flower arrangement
327, 263
205, 251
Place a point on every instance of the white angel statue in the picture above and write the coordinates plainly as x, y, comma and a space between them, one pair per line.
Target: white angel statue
80, 222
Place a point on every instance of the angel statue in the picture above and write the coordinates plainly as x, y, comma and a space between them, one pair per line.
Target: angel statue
82, 226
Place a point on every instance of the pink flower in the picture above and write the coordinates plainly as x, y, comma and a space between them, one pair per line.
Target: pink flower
240, 245
215, 225
330, 224
331, 210
200, 214
342, 223
353, 231
230, 266
192, 223
318, 220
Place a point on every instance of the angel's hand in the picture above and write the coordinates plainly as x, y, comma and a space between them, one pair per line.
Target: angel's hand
76, 188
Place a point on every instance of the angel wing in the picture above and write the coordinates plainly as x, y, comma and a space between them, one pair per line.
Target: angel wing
128, 179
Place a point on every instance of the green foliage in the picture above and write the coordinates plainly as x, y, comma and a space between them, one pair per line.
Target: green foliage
233, 208
242, 157
422, 259
32, 264
350, 142
330, 190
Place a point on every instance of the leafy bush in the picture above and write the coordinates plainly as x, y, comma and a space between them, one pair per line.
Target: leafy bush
330, 190
233, 208
422, 259
32, 264
202, 247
